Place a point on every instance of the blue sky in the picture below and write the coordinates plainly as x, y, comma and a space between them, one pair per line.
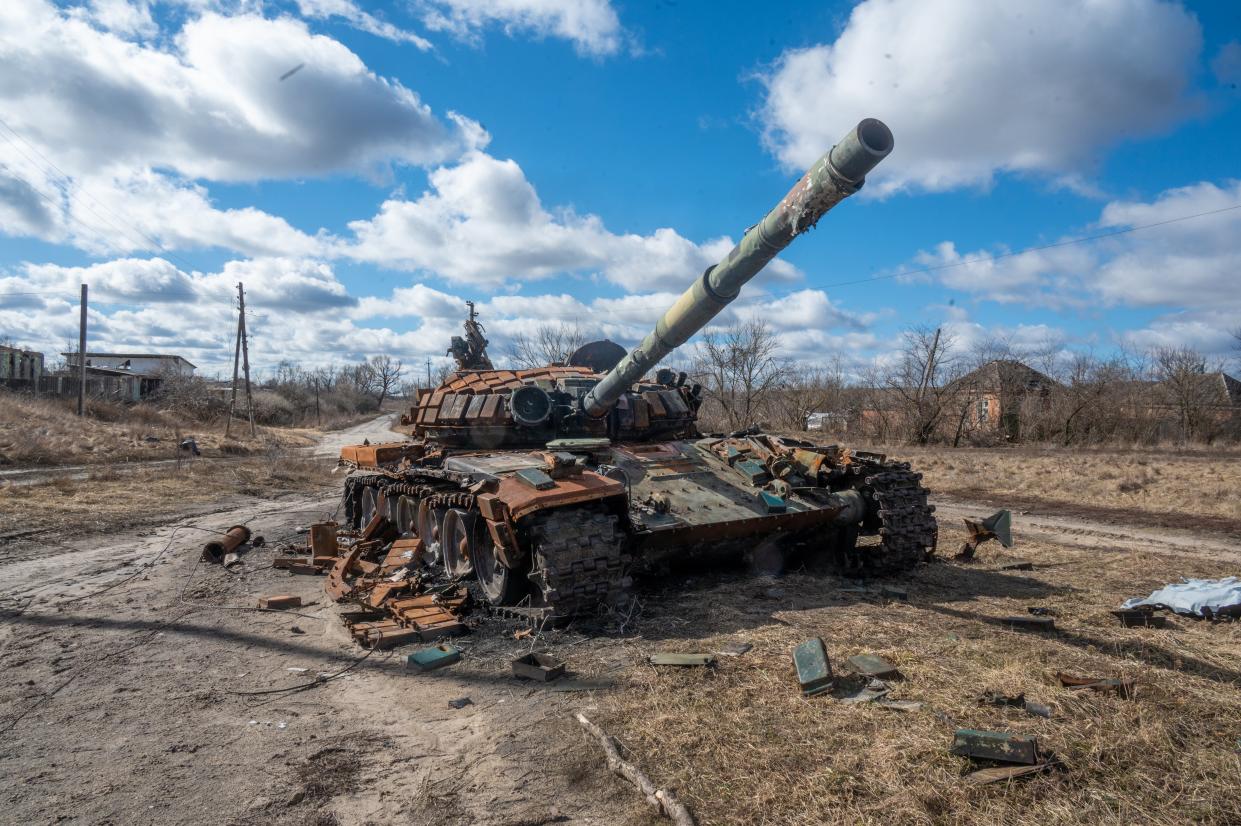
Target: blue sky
578, 161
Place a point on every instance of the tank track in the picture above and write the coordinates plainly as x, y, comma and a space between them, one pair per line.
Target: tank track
908, 527
580, 561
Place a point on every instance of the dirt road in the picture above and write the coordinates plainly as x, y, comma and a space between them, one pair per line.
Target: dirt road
139, 686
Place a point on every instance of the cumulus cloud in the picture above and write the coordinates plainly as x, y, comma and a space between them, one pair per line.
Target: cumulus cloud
482, 223
972, 87
592, 26
210, 103
359, 19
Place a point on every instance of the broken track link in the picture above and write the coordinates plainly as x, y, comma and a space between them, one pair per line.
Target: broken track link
580, 561
907, 523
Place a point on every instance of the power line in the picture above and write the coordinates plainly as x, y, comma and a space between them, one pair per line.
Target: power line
67, 181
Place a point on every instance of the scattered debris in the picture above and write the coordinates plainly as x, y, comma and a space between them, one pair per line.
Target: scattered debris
995, 745
428, 659
899, 705
523, 633
734, 649
872, 691
1124, 688
814, 670
1204, 598
1031, 623
1017, 566
572, 685
541, 668
995, 698
1040, 611
997, 773
279, 603
233, 538
998, 525
1038, 709
669, 658
461, 702
871, 665
1143, 617
663, 801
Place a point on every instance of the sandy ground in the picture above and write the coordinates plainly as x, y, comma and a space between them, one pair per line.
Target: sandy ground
124, 667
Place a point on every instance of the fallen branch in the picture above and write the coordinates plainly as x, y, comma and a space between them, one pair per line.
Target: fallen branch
665, 802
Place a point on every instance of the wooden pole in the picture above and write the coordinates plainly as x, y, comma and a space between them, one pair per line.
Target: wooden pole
236, 368
245, 357
82, 356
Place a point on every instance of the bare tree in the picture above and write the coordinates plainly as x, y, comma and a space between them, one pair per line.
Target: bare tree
549, 344
738, 369
922, 382
380, 376
1183, 385
803, 390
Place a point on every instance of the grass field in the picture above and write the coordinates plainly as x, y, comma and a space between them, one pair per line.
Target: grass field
742, 746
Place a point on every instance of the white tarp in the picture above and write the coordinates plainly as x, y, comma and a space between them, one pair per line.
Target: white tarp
1196, 597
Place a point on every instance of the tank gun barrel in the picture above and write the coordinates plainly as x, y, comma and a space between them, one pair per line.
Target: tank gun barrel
834, 177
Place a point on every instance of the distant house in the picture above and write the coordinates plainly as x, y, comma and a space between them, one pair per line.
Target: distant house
18, 365
142, 364
997, 392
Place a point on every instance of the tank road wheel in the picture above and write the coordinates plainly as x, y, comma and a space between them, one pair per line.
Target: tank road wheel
406, 514
501, 585
429, 524
455, 542
370, 502
579, 559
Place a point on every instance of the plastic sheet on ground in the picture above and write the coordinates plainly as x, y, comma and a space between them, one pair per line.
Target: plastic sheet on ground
1196, 597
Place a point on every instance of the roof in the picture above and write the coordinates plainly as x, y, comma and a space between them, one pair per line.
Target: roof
9, 349
1008, 374
91, 355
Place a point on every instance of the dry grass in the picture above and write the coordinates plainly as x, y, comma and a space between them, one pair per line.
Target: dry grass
46, 432
743, 747
112, 500
1165, 488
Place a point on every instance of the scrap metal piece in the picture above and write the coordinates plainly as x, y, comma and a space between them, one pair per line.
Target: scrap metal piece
279, 603
995, 698
1124, 688
995, 774
872, 665
461, 702
323, 539
734, 649
1141, 618
869, 693
995, 745
1038, 709
1031, 623
541, 668
429, 659
998, 525
535, 478
814, 670
233, 538
670, 658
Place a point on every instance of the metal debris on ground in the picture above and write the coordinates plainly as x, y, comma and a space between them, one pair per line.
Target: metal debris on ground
814, 669
461, 702
539, 667
429, 659
670, 658
734, 649
869, 693
1041, 611
1143, 617
1027, 623
995, 745
872, 665
217, 549
1123, 688
998, 525
995, 698
1203, 598
995, 774
279, 603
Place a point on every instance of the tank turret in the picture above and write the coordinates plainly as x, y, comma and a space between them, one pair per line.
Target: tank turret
834, 177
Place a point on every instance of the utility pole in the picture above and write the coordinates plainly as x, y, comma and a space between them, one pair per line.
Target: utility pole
245, 357
929, 372
236, 368
428, 374
318, 418
82, 357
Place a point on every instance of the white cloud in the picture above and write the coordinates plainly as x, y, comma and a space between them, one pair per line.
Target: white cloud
482, 223
591, 25
210, 104
360, 19
975, 87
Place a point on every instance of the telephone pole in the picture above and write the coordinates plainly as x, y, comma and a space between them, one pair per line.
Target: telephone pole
82, 356
241, 361
245, 357
428, 374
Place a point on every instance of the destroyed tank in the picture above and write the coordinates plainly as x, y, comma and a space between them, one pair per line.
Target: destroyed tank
550, 485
